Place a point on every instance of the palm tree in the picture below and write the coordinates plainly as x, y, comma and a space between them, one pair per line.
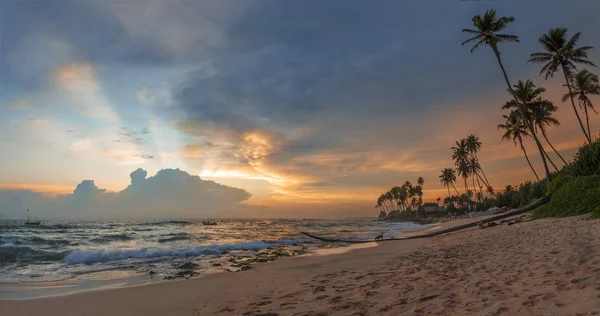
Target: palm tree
525, 97
473, 145
486, 32
515, 130
562, 53
490, 190
464, 170
475, 168
541, 115
421, 181
584, 83
460, 155
447, 178
539, 111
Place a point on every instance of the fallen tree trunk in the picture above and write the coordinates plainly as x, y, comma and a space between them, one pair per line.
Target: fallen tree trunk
535, 205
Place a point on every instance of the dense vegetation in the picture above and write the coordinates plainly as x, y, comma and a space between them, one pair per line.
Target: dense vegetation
575, 186
576, 190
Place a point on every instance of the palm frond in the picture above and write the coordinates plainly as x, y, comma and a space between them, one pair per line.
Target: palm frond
571, 43
470, 31
474, 38
477, 45
540, 59
583, 61
508, 38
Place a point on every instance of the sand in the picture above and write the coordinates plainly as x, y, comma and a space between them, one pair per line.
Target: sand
545, 267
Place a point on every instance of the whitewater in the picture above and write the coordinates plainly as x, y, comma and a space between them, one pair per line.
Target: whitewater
62, 250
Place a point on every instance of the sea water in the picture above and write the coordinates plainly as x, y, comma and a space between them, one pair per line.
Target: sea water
80, 250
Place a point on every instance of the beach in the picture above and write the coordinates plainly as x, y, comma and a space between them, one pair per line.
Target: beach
544, 267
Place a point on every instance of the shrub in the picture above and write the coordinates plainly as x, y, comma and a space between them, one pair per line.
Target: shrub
586, 161
575, 197
558, 182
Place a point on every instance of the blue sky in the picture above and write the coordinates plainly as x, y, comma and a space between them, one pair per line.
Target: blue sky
313, 107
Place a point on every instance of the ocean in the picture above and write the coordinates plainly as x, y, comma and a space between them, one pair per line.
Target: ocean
88, 250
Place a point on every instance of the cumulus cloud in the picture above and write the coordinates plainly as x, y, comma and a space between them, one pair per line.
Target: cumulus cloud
171, 193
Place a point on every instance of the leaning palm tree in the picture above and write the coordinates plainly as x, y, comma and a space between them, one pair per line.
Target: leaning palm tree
473, 145
526, 96
464, 170
460, 156
490, 190
515, 130
584, 83
541, 115
560, 53
447, 178
475, 168
486, 32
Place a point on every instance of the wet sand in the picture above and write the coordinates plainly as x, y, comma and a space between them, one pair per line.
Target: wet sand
546, 267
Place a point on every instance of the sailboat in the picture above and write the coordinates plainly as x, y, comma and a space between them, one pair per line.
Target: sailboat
32, 223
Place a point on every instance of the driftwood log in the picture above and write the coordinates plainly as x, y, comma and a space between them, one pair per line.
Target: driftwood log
537, 204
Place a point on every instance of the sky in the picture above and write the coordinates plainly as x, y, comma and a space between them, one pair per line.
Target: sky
191, 109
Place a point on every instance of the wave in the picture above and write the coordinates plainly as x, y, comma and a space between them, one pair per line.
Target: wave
111, 238
112, 254
174, 237
13, 254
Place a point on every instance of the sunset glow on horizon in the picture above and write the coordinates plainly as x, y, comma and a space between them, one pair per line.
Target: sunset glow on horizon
306, 117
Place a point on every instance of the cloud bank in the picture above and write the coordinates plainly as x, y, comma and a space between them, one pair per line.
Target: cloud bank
171, 193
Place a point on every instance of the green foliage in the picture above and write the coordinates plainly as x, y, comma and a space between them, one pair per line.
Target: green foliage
586, 161
559, 181
576, 197
520, 196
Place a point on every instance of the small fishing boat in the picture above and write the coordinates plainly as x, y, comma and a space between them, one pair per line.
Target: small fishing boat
209, 223
32, 223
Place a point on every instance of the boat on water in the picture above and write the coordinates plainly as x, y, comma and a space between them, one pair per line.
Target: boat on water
209, 223
32, 223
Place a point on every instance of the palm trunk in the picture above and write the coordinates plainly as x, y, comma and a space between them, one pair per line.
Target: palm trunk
551, 162
522, 111
479, 185
486, 182
455, 189
587, 120
529, 162
492, 193
466, 186
549, 143
473, 179
573, 104
447, 186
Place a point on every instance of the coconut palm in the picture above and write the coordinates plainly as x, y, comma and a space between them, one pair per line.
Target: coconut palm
460, 156
475, 168
515, 130
561, 53
486, 32
447, 178
389, 197
473, 145
464, 170
490, 190
421, 181
541, 115
539, 111
584, 83
526, 96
